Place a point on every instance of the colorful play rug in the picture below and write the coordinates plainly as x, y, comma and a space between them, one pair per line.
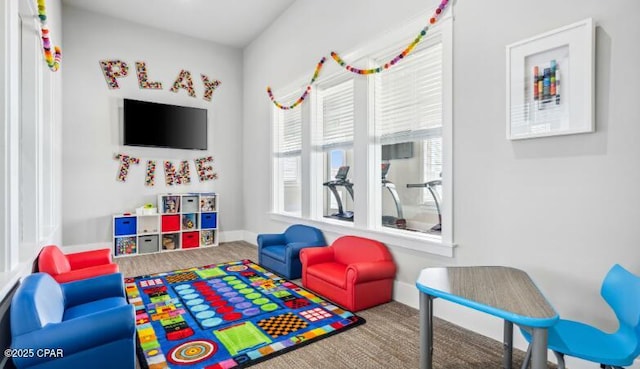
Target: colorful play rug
229, 315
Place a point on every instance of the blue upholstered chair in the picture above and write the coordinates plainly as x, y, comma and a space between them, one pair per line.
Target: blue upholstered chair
281, 252
621, 290
87, 323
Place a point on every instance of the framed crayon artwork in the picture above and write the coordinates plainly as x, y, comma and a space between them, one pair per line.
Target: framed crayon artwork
550, 83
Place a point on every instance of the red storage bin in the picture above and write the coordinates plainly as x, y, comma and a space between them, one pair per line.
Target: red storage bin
190, 240
170, 223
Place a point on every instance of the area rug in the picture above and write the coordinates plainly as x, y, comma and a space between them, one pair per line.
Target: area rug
229, 315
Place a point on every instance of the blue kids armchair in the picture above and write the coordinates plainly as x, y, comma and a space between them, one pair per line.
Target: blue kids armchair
621, 290
82, 324
281, 252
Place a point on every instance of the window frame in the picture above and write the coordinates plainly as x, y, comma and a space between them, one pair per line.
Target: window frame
27, 107
319, 153
277, 192
367, 153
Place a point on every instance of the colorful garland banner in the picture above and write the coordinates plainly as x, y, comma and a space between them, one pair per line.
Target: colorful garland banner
407, 50
53, 62
304, 94
402, 55
143, 78
173, 177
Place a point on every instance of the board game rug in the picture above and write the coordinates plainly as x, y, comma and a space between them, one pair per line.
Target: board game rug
229, 315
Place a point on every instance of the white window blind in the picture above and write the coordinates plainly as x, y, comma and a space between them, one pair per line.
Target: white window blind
432, 164
289, 132
337, 109
408, 97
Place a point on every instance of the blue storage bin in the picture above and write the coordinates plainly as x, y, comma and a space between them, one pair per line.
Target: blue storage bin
125, 226
209, 220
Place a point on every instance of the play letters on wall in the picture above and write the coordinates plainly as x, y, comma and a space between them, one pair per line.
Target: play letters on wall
114, 69
173, 176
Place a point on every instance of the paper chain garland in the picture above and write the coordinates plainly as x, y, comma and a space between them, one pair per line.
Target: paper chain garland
304, 94
52, 62
352, 69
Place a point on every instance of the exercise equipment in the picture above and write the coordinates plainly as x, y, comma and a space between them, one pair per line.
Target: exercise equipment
388, 220
341, 180
436, 198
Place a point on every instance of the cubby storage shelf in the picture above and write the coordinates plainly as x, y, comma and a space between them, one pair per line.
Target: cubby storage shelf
184, 221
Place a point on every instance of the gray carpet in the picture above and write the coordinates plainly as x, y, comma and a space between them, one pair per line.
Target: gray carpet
389, 339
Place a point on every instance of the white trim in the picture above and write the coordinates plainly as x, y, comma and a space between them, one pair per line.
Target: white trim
227, 236
71, 249
230, 236
250, 237
392, 238
406, 294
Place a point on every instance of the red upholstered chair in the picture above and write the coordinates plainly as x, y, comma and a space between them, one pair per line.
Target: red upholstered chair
72, 267
354, 272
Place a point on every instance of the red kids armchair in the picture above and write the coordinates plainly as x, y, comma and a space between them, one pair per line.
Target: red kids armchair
72, 267
354, 272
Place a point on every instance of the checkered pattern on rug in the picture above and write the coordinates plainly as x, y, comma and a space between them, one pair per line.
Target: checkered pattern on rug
282, 325
182, 277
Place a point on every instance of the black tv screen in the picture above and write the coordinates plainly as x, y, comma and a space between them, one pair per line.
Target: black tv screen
162, 125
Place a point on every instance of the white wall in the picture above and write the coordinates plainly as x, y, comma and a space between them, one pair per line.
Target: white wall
91, 133
564, 208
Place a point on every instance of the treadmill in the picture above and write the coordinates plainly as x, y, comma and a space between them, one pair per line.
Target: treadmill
341, 180
436, 198
388, 220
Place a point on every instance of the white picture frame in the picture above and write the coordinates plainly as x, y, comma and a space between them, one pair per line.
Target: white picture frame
559, 98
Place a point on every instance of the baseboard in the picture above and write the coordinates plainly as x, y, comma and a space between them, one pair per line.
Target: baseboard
230, 236
250, 237
406, 294
69, 249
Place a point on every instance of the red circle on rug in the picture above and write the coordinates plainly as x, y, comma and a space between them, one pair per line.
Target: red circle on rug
218, 303
208, 292
212, 298
224, 309
232, 316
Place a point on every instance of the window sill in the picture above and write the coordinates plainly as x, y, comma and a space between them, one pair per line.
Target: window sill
429, 244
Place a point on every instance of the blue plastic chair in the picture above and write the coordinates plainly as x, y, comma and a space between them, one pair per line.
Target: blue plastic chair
621, 290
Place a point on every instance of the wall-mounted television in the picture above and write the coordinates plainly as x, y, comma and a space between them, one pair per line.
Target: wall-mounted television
161, 125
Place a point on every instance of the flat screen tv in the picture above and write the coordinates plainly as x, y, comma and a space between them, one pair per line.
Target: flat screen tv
161, 125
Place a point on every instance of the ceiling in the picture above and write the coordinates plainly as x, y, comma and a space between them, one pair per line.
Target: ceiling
228, 22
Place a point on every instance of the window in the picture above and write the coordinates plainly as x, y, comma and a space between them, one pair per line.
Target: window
28, 107
393, 131
336, 120
408, 124
287, 164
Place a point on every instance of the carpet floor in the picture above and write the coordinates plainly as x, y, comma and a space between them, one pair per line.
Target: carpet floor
389, 339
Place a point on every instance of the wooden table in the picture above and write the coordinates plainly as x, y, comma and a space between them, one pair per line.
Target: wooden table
504, 292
